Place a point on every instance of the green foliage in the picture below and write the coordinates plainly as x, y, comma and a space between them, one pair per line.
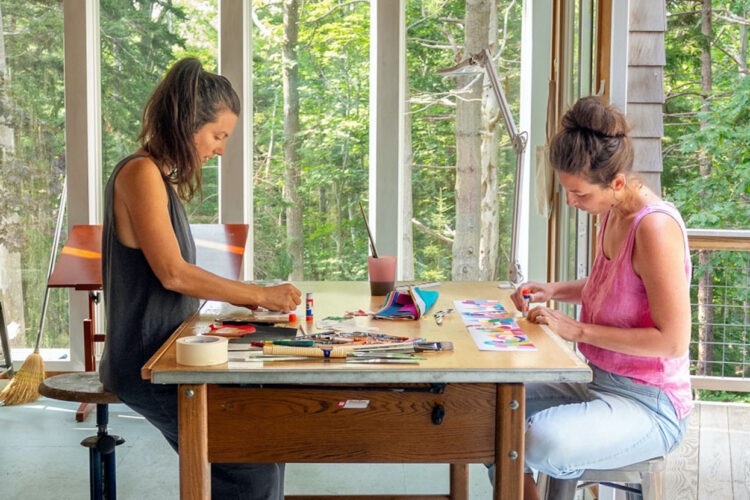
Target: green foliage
725, 396
718, 197
431, 32
333, 68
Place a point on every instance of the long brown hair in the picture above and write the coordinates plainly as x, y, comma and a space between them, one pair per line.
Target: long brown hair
593, 142
185, 100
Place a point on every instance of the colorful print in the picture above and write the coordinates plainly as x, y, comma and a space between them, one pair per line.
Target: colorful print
492, 327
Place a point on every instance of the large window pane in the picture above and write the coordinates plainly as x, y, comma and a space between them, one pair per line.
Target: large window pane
330, 153
32, 153
436, 39
140, 40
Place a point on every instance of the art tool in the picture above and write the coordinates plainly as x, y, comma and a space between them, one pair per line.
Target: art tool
309, 306
406, 347
428, 284
291, 343
526, 302
255, 317
369, 233
387, 355
440, 314
313, 352
201, 350
383, 360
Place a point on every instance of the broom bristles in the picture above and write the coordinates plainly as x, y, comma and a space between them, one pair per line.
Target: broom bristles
24, 387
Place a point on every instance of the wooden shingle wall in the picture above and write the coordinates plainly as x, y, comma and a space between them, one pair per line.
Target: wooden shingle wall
646, 60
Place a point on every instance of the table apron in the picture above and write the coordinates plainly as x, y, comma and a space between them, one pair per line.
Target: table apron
352, 426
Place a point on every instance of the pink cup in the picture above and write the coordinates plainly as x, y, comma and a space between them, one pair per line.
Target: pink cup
382, 274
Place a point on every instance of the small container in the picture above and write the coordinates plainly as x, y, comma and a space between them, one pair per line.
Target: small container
526, 301
309, 306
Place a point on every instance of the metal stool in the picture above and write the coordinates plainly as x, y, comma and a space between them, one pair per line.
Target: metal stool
640, 480
84, 387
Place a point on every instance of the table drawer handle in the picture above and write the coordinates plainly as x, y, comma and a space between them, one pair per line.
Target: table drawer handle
438, 413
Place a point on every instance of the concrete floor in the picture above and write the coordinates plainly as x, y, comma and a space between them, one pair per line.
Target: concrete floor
41, 458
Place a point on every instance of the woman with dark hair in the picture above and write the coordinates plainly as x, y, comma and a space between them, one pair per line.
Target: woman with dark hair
150, 280
634, 328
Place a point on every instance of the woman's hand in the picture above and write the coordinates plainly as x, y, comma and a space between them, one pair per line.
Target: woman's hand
559, 322
540, 292
282, 298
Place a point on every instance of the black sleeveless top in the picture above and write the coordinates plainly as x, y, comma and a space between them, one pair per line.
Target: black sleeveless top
141, 313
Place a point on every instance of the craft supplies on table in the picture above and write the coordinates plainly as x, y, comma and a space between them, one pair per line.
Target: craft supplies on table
492, 327
407, 305
201, 350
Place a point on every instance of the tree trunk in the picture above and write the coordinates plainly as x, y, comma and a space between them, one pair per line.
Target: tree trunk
406, 238
705, 289
11, 279
295, 238
489, 239
468, 148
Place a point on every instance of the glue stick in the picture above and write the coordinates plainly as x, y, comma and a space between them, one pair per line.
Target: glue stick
526, 301
309, 306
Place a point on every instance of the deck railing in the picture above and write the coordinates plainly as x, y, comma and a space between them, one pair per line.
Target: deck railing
720, 299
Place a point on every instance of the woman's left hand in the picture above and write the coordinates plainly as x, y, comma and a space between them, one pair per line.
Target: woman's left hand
559, 322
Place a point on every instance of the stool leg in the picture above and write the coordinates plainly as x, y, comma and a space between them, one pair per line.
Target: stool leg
652, 484
95, 474
110, 486
556, 489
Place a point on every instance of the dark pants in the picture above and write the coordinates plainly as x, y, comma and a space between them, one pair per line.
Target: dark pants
158, 404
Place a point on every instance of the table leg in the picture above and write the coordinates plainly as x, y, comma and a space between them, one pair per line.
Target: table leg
509, 441
459, 477
195, 470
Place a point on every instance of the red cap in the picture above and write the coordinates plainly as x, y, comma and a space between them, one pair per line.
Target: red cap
526, 291
292, 318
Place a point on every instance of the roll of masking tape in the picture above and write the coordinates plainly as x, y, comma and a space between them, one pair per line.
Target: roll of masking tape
202, 350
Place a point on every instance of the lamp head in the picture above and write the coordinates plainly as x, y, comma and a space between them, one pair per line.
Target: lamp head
468, 66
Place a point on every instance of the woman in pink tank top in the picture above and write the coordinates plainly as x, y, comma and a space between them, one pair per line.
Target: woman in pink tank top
635, 319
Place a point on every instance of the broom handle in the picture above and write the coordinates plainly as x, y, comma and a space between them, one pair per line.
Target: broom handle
55, 241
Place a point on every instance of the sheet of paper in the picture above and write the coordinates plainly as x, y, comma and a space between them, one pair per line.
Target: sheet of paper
492, 327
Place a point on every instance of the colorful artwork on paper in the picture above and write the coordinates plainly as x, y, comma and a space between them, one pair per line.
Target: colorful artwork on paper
492, 327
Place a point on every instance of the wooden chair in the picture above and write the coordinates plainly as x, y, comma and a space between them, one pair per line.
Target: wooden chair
84, 387
640, 480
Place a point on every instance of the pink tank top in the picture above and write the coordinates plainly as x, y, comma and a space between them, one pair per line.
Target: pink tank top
614, 295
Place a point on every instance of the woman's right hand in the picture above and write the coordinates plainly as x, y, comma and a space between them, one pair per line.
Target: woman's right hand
284, 298
540, 293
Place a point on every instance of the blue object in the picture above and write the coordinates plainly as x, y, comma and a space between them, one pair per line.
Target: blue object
407, 305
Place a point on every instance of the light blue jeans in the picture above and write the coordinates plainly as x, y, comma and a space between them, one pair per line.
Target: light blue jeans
605, 424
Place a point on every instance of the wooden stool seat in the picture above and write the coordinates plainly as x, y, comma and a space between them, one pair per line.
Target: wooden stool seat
80, 387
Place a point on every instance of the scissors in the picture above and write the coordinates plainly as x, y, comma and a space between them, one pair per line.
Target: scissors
439, 315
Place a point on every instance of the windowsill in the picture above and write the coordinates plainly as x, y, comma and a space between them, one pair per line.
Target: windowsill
55, 359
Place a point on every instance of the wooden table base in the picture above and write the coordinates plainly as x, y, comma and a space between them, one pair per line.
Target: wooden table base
483, 423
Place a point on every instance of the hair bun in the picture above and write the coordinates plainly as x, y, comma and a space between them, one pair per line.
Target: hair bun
594, 115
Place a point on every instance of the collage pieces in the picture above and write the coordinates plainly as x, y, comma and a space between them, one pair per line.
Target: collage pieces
492, 327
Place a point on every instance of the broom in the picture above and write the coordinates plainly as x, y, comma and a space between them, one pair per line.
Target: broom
24, 387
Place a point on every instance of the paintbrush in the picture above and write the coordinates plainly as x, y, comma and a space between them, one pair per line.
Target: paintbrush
369, 233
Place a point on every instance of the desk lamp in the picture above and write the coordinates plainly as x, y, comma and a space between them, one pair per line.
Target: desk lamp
476, 64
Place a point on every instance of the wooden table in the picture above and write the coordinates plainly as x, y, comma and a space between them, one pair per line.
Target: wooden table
219, 249
319, 411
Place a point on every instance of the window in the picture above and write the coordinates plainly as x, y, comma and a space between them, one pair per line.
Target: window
139, 42
437, 39
32, 153
311, 165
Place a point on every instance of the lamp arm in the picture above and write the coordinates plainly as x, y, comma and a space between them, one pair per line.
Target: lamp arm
515, 273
